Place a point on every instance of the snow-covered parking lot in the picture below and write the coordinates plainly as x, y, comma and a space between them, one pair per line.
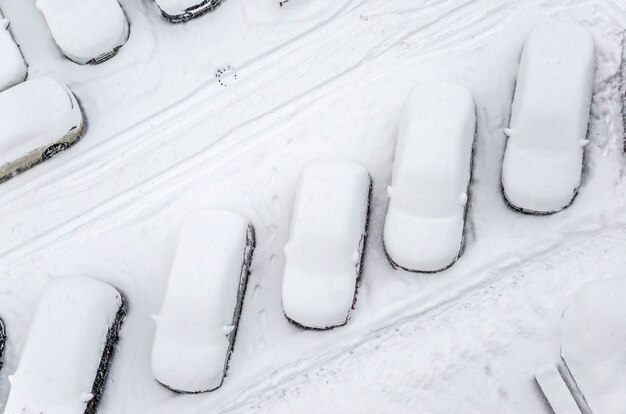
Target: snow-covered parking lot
223, 111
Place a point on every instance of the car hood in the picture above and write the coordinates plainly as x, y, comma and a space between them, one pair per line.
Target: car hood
422, 244
88, 29
538, 181
186, 366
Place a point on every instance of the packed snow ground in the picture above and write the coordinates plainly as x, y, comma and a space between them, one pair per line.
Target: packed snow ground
223, 111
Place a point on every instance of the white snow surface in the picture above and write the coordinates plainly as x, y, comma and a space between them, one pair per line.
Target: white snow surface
593, 343
309, 80
13, 69
85, 29
191, 340
323, 254
34, 113
543, 159
430, 180
62, 352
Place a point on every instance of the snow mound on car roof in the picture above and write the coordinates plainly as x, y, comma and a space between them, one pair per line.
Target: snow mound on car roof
593, 344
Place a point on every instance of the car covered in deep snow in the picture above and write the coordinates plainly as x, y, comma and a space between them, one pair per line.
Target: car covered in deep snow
593, 340
13, 69
38, 118
70, 343
177, 11
425, 221
543, 159
197, 324
3, 339
323, 257
86, 31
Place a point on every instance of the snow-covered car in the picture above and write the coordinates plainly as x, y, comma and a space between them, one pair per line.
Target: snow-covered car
323, 257
177, 11
197, 325
38, 119
593, 340
543, 158
13, 69
3, 338
424, 227
86, 31
70, 343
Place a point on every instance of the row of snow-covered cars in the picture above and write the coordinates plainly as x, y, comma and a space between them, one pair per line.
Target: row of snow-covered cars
41, 117
71, 340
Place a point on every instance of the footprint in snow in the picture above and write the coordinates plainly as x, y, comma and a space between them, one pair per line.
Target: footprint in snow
226, 76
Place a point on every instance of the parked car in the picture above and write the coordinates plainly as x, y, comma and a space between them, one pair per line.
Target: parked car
543, 159
197, 325
70, 343
593, 340
38, 119
324, 254
86, 31
13, 69
429, 189
177, 11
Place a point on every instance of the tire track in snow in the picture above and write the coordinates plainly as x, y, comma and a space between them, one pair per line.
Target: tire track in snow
148, 166
178, 153
421, 316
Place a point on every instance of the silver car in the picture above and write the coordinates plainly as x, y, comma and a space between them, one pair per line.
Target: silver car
38, 119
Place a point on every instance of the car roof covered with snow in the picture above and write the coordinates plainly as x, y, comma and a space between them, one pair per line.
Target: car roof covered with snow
593, 342
204, 292
323, 254
86, 30
62, 353
34, 113
13, 69
431, 172
543, 158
